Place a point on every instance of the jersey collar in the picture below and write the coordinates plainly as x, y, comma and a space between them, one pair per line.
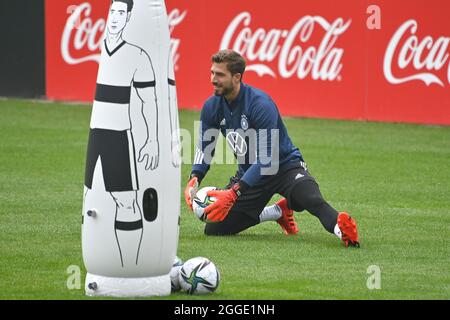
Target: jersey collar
239, 98
110, 53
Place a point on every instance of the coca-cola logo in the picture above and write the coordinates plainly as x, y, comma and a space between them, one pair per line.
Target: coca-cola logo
426, 57
176, 17
88, 35
82, 37
288, 48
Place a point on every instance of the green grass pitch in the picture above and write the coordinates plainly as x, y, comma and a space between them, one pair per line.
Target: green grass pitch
393, 178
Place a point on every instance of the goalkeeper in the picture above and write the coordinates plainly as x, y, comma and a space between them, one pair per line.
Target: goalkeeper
268, 161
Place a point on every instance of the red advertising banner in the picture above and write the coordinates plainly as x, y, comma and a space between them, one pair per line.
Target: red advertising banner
74, 31
383, 60
408, 63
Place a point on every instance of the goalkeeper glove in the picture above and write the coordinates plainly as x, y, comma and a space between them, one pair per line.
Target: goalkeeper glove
225, 199
190, 191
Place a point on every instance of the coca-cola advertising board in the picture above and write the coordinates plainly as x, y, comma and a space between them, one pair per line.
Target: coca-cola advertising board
315, 58
408, 61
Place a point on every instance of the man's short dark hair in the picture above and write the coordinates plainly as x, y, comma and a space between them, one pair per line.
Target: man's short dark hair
234, 61
128, 2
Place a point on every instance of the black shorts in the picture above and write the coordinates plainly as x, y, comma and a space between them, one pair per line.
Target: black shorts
117, 156
249, 206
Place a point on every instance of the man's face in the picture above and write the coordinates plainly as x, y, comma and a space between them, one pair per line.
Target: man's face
222, 80
118, 17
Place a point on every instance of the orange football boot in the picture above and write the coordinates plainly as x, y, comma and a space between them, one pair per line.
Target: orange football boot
287, 221
347, 225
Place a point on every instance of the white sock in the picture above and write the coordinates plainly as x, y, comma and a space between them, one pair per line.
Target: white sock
338, 232
271, 213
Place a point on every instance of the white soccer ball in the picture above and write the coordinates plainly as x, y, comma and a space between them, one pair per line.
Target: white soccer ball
199, 276
201, 201
175, 274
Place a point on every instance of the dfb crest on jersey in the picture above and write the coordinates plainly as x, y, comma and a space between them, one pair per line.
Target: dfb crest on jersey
244, 122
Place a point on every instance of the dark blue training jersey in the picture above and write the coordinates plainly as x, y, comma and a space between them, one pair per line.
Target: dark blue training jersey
253, 129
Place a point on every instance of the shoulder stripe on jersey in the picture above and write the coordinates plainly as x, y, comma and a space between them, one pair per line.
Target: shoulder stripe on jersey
171, 82
112, 94
144, 84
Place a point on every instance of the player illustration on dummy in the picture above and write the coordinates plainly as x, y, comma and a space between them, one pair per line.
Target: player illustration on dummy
124, 67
